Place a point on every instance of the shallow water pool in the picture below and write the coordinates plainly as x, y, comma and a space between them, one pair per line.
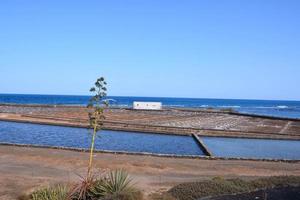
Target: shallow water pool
253, 148
58, 136
24, 133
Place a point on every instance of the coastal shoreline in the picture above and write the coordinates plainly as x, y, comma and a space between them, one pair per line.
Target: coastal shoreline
187, 109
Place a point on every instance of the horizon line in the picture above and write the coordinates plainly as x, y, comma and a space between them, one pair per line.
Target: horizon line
251, 99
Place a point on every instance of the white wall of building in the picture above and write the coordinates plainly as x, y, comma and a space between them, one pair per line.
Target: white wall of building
147, 105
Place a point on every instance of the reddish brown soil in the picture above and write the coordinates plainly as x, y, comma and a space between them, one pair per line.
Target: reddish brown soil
22, 169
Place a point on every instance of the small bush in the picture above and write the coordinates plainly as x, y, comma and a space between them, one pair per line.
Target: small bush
117, 185
276, 181
219, 186
58, 192
83, 190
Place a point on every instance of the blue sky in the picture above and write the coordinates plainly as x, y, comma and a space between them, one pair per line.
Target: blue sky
206, 49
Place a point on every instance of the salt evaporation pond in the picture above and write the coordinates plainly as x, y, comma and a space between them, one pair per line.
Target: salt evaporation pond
58, 136
253, 148
34, 134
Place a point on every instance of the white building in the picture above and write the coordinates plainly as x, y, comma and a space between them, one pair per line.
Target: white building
147, 105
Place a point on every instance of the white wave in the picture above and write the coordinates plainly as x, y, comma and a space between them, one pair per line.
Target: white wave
269, 107
229, 106
264, 107
204, 106
282, 107
110, 100
121, 105
175, 105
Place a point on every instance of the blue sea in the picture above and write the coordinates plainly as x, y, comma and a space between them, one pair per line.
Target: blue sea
290, 109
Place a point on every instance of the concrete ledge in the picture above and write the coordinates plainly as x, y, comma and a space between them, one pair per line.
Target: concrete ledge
202, 145
104, 151
149, 154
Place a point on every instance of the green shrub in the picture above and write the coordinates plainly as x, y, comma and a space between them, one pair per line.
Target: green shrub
58, 192
83, 189
276, 181
219, 186
117, 185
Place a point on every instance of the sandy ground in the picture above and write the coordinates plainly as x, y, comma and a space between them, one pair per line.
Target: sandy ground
22, 169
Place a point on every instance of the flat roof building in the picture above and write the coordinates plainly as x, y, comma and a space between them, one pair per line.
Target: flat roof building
138, 105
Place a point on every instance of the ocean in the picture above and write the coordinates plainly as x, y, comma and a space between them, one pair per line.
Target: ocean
289, 109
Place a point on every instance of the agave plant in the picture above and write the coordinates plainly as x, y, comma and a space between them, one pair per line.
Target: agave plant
83, 190
96, 115
92, 187
116, 182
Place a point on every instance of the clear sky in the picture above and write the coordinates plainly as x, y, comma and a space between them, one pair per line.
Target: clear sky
185, 48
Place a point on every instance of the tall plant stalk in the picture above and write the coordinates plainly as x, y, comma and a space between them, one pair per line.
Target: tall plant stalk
96, 114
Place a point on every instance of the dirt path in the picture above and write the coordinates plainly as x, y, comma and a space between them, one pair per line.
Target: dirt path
24, 168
